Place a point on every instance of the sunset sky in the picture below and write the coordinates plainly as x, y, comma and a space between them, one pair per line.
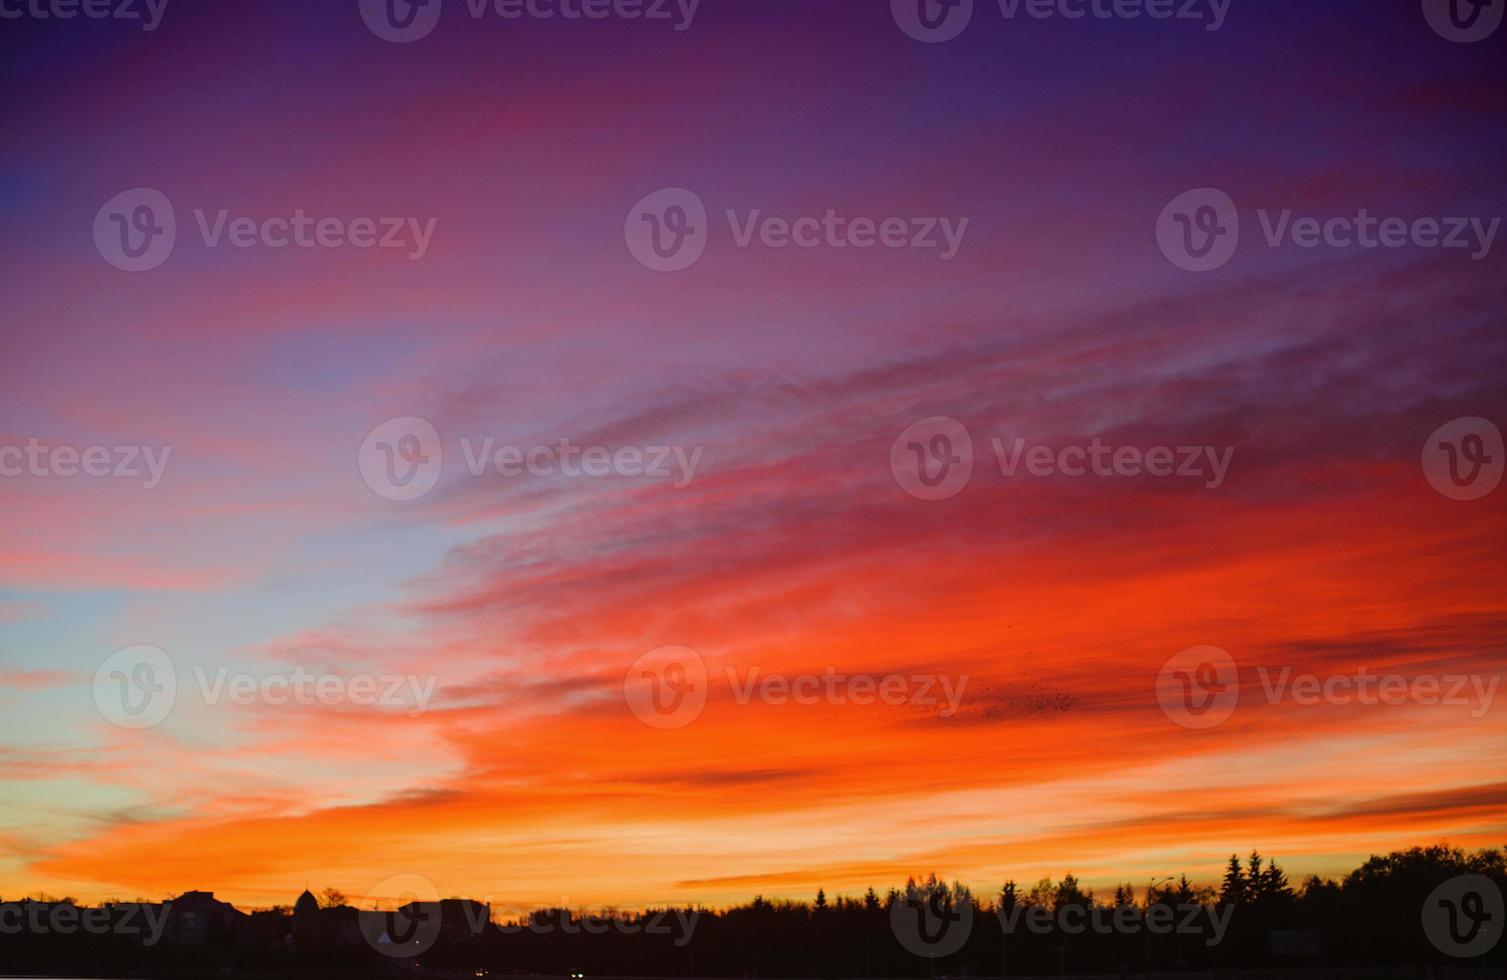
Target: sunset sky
1052, 602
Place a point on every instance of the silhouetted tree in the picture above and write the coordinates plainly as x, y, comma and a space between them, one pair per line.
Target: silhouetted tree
1234, 889
1274, 884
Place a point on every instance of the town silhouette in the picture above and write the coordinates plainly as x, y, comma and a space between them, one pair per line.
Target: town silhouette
1404, 914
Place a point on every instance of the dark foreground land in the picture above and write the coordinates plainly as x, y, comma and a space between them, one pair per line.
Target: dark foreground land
1424, 913
1446, 972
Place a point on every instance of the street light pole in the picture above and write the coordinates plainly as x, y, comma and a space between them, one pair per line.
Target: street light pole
1146, 924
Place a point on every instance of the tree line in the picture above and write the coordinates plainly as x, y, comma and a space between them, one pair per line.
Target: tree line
1254, 917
